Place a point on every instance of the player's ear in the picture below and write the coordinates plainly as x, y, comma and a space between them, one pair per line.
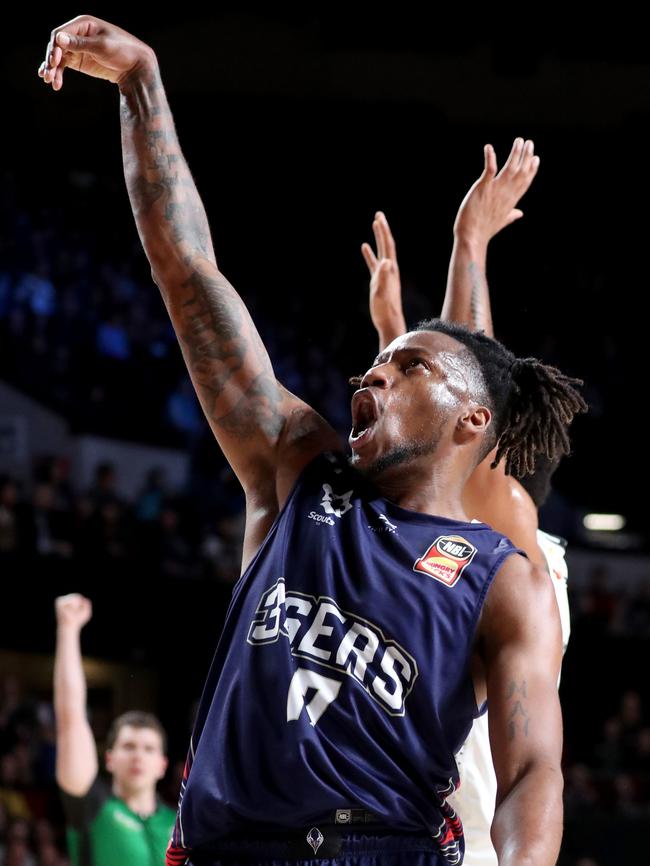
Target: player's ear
162, 767
474, 422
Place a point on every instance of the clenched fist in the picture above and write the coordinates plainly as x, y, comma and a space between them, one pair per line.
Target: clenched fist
73, 610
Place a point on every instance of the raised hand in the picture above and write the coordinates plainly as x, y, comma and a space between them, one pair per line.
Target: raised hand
491, 203
73, 610
94, 47
385, 287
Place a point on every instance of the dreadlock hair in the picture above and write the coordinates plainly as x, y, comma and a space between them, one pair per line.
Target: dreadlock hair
532, 404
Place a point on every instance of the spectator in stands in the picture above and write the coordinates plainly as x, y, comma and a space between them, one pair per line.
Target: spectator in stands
123, 823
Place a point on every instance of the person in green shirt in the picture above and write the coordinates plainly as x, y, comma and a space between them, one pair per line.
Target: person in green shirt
107, 824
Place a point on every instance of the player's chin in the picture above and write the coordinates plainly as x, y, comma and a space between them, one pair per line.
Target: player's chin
366, 449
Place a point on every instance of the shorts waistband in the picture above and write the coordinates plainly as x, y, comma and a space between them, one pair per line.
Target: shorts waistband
320, 840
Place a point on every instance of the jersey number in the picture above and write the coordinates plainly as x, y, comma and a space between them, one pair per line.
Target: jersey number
325, 691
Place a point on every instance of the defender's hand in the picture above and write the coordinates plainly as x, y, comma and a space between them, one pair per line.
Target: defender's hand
490, 204
385, 287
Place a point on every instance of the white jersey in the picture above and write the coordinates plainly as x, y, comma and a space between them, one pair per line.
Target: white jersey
554, 552
475, 798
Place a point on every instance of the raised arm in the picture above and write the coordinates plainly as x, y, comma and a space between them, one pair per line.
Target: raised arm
520, 643
266, 433
488, 207
76, 753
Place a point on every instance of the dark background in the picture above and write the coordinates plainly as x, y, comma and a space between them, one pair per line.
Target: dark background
298, 126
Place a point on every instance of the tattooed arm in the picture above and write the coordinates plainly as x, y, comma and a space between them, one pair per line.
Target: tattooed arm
267, 434
488, 207
519, 643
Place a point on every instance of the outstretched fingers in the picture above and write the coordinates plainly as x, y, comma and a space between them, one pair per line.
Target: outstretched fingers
385, 241
385, 244
520, 168
369, 257
490, 167
513, 163
529, 161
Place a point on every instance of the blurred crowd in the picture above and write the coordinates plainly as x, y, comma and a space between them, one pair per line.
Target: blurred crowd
85, 331
167, 532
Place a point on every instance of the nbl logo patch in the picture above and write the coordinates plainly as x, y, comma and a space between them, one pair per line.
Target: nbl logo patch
446, 558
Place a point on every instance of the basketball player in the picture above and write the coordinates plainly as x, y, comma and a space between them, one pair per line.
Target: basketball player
490, 495
106, 825
371, 615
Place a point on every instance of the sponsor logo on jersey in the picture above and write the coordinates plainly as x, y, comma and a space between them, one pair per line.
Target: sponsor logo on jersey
445, 560
318, 630
386, 525
321, 518
315, 838
337, 504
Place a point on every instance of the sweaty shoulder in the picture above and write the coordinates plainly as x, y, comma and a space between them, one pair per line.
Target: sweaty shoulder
500, 500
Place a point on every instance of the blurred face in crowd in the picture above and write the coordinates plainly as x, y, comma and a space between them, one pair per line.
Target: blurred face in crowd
136, 761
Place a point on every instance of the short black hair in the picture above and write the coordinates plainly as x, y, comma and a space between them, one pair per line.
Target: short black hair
532, 403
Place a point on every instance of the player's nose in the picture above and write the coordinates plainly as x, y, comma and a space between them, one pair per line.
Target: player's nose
379, 376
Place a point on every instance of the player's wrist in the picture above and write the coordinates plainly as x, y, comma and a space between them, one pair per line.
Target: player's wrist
471, 241
69, 628
143, 73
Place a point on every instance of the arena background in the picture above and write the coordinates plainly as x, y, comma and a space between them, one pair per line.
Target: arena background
298, 126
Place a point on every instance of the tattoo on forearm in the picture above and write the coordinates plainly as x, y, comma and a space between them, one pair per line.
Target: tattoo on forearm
215, 340
229, 366
145, 195
257, 410
477, 303
149, 142
212, 322
518, 717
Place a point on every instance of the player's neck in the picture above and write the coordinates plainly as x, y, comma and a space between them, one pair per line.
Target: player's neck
142, 801
429, 492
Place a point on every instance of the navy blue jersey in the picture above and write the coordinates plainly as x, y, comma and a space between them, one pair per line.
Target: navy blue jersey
342, 677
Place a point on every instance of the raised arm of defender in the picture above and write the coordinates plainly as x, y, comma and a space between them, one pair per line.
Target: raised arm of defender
267, 434
488, 207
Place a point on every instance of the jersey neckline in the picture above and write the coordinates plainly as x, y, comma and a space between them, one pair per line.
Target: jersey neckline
425, 517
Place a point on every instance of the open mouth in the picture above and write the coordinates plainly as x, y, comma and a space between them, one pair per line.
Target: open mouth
365, 412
